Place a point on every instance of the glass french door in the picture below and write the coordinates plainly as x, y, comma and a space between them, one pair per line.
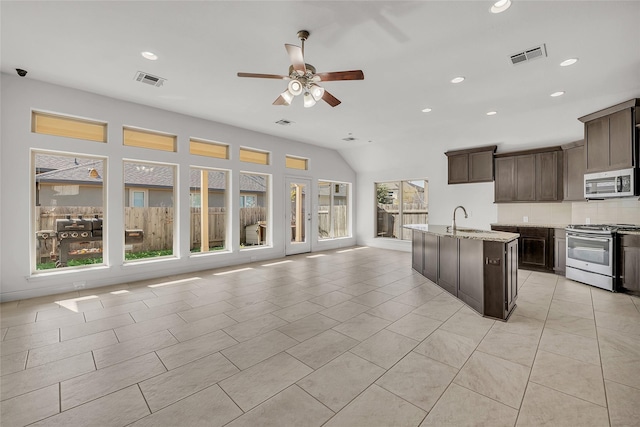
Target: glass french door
298, 216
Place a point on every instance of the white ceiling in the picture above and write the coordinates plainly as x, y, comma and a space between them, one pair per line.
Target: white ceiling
409, 51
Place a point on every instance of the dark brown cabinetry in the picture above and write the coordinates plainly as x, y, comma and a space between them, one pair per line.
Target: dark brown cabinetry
535, 245
483, 274
471, 165
448, 264
611, 138
430, 262
531, 176
630, 265
559, 251
417, 250
574, 171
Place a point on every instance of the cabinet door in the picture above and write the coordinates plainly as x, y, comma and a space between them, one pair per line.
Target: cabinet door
511, 275
631, 263
458, 168
448, 265
534, 248
417, 251
471, 271
547, 176
620, 139
505, 179
560, 255
574, 173
430, 266
526, 178
596, 145
481, 166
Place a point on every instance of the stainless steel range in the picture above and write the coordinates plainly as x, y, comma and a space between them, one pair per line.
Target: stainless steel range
592, 253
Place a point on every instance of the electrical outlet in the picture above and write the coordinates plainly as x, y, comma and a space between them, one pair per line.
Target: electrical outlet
525, 219
587, 221
493, 261
79, 285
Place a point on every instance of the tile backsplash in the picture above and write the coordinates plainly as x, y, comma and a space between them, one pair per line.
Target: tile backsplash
615, 211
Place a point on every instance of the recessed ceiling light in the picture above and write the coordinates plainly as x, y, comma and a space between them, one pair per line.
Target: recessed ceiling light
492, 113
457, 79
568, 62
559, 93
426, 110
149, 55
500, 6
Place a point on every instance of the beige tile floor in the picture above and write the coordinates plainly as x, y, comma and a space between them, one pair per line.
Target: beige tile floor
340, 338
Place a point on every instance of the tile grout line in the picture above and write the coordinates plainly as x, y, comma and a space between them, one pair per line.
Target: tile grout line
604, 387
526, 387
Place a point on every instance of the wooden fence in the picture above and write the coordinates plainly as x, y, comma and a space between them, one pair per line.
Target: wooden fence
340, 222
155, 222
412, 213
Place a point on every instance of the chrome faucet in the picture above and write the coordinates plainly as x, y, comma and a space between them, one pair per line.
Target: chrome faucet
453, 227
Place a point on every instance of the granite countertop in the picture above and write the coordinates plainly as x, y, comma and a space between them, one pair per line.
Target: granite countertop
529, 224
464, 233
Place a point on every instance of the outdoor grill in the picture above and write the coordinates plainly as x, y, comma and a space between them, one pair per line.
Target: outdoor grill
79, 232
75, 228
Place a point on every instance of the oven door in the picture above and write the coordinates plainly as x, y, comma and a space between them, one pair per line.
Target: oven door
589, 252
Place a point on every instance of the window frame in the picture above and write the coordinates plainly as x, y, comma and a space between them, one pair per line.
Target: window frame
33, 250
400, 199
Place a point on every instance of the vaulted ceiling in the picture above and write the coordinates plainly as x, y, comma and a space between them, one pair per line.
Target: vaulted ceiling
409, 52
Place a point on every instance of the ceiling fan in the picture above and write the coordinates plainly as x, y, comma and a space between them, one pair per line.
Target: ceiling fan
303, 78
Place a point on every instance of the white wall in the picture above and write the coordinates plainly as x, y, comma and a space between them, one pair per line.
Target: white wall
21, 95
430, 164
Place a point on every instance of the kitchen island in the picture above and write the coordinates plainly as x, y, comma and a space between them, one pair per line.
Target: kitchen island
479, 267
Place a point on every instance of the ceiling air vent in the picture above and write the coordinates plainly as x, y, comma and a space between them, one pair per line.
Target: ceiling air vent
349, 139
149, 79
284, 122
529, 54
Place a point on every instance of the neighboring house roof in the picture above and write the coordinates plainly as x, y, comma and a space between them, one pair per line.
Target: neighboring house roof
68, 170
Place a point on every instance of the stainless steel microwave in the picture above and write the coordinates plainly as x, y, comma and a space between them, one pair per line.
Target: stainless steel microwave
620, 183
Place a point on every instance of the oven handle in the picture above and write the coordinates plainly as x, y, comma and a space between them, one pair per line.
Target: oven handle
575, 236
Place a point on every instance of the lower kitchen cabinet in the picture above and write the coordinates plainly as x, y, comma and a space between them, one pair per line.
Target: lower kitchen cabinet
448, 264
559, 251
536, 247
481, 273
430, 261
417, 250
630, 265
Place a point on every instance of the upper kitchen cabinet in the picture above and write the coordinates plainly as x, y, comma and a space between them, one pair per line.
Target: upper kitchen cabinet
470, 165
611, 138
574, 171
529, 176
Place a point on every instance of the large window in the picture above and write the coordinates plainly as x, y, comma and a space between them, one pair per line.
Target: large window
254, 209
333, 210
208, 209
68, 211
399, 203
149, 214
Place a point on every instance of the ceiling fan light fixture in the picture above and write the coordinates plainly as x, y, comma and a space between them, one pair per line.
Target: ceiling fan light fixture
308, 100
295, 87
287, 96
317, 92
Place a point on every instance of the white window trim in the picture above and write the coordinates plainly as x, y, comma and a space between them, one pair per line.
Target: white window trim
138, 190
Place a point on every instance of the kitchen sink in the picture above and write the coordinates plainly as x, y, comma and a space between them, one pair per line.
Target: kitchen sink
468, 230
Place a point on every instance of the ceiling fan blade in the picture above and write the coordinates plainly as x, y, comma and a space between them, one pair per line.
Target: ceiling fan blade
296, 57
330, 99
341, 75
264, 76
